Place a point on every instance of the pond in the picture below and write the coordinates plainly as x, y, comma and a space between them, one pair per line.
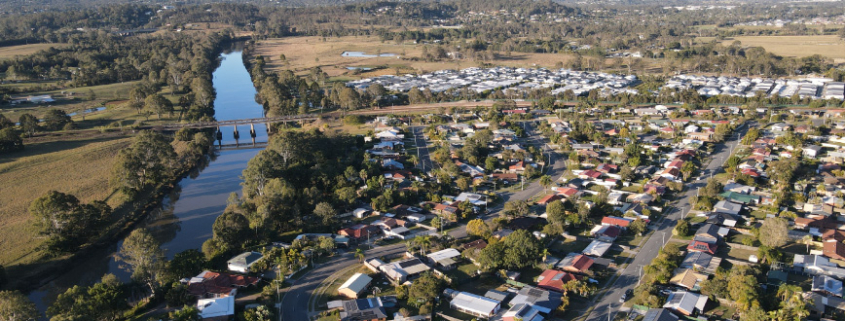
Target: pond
359, 54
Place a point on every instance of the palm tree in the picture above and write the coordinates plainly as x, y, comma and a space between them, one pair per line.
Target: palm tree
545, 254
359, 254
423, 242
807, 239
546, 181
787, 292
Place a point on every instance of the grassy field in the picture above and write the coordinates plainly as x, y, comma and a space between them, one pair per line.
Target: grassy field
797, 46
79, 167
303, 53
12, 51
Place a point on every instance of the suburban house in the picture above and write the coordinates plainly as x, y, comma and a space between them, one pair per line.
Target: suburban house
827, 285
597, 248
727, 207
721, 219
522, 312
444, 258
370, 309
243, 261
606, 233
356, 285
701, 262
404, 270
621, 222
539, 299
553, 280
359, 231
212, 284
688, 279
686, 303
475, 304
660, 315
818, 265
575, 263
216, 309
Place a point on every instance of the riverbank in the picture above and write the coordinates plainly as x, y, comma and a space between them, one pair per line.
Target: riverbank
126, 216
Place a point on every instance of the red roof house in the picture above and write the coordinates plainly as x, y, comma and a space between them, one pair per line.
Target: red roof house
553, 280
699, 246
616, 221
834, 250
580, 264
549, 198
212, 284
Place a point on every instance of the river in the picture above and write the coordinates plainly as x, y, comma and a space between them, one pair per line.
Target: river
184, 221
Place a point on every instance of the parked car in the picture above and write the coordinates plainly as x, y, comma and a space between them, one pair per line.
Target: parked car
626, 295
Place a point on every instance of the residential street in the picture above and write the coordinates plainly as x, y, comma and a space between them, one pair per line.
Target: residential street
630, 275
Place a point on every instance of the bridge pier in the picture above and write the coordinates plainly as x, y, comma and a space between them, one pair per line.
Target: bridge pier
219, 137
237, 135
252, 131
268, 128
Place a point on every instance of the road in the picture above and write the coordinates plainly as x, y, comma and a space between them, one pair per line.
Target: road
629, 277
295, 301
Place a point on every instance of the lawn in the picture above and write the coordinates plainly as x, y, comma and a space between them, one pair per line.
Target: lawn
79, 167
721, 311
830, 46
304, 53
328, 289
740, 254
566, 246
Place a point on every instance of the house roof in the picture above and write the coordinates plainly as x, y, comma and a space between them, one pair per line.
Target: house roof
685, 302
687, 278
216, 307
548, 199
245, 259
617, 221
542, 300
824, 283
209, 282
702, 247
475, 303
554, 280
701, 261
444, 255
727, 207
357, 283
575, 262
740, 198
834, 249
479, 244
660, 315
597, 248
566, 191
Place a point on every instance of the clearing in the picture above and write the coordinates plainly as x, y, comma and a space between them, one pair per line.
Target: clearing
303, 53
79, 167
797, 46
12, 51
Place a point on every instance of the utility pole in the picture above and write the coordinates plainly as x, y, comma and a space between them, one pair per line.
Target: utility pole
523, 182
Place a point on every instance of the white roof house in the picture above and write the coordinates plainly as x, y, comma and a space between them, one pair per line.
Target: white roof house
523, 312
475, 305
216, 307
597, 248
243, 261
445, 257
401, 271
727, 207
685, 302
355, 285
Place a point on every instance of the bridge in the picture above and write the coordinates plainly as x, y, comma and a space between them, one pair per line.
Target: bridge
236, 122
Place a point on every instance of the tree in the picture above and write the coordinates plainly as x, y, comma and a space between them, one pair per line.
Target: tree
555, 213
29, 124
157, 104
259, 313
326, 213
478, 227
687, 169
516, 208
435, 222
149, 160
424, 290
56, 119
682, 228
66, 221
14, 306
231, 229
259, 170
10, 140
186, 263
546, 181
521, 249
143, 256
638, 226
187, 313
104, 300
774, 232
807, 239
359, 254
